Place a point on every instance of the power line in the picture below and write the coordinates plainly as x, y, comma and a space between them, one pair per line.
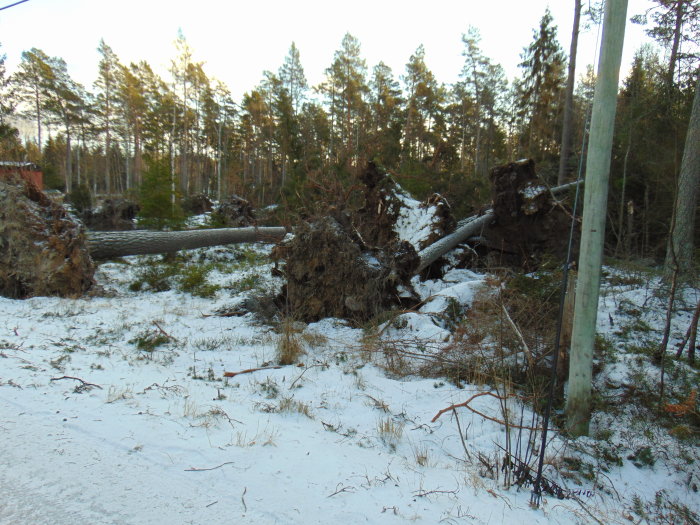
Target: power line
12, 5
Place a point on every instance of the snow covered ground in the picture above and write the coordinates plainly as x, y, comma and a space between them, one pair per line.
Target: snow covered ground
115, 409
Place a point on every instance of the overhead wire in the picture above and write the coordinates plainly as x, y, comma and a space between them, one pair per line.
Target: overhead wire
12, 5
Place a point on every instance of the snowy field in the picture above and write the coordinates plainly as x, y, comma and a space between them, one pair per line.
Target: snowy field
115, 409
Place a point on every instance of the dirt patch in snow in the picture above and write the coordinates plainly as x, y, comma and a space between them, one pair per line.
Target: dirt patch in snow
42, 248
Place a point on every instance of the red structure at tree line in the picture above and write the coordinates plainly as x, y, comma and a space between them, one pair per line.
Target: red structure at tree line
27, 170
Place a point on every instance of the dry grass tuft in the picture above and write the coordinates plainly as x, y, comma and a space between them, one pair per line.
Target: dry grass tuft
289, 346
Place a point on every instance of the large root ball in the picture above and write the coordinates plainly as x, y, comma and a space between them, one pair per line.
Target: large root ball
42, 248
331, 273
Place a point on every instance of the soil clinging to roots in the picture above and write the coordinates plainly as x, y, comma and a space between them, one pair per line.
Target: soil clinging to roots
332, 273
42, 248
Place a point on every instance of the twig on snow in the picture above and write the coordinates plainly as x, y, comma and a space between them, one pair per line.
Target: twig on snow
305, 370
249, 370
85, 383
160, 329
343, 488
192, 469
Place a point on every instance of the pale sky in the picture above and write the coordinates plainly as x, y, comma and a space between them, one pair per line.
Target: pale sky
239, 40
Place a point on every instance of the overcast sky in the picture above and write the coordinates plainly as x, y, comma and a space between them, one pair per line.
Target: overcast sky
239, 40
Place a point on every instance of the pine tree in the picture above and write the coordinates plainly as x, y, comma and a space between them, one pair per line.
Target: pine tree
676, 26
107, 88
180, 71
479, 96
386, 106
345, 90
424, 119
291, 74
33, 82
66, 103
7, 102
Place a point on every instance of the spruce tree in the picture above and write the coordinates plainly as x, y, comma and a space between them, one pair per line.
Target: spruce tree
540, 92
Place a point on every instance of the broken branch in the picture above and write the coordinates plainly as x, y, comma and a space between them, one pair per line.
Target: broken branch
249, 370
85, 383
490, 418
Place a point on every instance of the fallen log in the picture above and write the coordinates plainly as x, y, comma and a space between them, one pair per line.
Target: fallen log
107, 245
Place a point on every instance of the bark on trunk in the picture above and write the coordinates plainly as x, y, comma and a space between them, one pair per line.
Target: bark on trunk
680, 246
107, 245
569, 100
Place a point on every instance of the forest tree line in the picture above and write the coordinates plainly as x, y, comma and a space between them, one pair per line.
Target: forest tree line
293, 144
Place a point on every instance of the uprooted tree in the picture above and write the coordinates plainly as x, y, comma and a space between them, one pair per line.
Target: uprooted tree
43, 250
46, 251
349, 263
332, 269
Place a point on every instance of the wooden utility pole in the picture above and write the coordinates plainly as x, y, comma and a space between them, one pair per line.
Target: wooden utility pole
578, 403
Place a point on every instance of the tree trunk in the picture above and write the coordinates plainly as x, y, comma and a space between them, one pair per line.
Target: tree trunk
107, 245
69, 162
676, 43
569, 99
108, 148
680, 247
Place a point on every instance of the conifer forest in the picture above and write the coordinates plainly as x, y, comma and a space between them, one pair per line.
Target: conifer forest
376, 298
295, 145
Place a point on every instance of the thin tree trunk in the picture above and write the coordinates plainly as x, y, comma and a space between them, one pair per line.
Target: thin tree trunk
108, 152
38, 117
569, 99
621, 214
69, 162
676, 43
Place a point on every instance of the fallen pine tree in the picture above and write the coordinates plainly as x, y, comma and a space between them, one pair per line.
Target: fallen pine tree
331, 271
44, 250
523, 217
107, 245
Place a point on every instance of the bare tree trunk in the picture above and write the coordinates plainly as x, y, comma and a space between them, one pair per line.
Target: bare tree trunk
569, 100
680, 246
621, 214
108, 148
106, 245
69, 162
676, 43
578, 402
